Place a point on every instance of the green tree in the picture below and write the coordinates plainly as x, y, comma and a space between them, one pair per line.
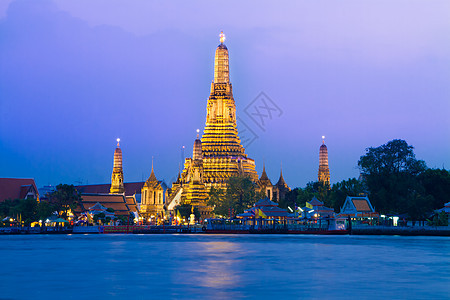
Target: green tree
241, 193
290, 199
99, 218
20, 209
391, 172
340, 191
45, 210
65, 198
436, 183
306, 194
27, 208
186, 210
6, 208
216, 198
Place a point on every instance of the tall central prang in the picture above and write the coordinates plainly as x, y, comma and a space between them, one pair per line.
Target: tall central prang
223, 154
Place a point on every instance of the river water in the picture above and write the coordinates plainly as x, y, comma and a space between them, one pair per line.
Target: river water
223, 267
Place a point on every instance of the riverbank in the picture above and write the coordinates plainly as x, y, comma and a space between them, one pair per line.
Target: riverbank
197, 229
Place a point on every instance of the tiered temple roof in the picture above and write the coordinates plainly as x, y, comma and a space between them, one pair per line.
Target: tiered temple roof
223, 154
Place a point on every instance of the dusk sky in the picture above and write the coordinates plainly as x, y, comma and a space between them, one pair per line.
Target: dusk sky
76, 75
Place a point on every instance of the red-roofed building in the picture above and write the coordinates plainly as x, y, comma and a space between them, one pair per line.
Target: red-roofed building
131, 188
18, 188
358, 207
122, 205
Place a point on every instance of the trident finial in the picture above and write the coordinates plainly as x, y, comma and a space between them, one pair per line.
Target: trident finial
222, 37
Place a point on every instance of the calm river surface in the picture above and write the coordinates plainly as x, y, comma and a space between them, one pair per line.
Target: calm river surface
223, 266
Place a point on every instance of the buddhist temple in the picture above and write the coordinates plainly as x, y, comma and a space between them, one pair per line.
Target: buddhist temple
117, 186
153, 196
223, 154
324, 170
218, 154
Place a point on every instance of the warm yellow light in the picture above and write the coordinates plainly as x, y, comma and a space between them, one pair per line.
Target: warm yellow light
323, 137
118, 140
222, 37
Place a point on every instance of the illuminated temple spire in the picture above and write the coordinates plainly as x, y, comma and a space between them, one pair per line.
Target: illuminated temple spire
117, 186
221, 66
197, 152
324, 171
222, 152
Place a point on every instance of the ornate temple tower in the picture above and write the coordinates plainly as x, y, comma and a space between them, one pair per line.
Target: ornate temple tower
153, 195
281, 187
265, 184
194, 190
223, 154
324, 171
117, 186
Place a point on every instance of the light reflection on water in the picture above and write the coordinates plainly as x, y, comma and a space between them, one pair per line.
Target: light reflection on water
223, 266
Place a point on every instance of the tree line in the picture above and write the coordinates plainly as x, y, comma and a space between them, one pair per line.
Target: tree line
60, 202
394, 180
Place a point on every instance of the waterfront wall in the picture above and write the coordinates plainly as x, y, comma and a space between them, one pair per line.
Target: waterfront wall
409, 231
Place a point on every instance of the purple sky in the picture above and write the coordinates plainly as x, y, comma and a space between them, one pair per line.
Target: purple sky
75, 75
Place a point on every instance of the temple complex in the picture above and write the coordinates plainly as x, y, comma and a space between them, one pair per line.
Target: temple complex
324, 170
219, 154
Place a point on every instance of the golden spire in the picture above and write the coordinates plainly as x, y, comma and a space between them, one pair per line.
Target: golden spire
324, 170
117, 186
221, 64
197, 151
152, 174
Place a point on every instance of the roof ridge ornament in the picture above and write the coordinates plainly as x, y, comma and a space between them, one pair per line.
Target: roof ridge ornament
222, 37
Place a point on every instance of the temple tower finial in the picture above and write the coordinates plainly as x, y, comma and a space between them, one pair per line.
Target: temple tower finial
221, 64
197, 151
